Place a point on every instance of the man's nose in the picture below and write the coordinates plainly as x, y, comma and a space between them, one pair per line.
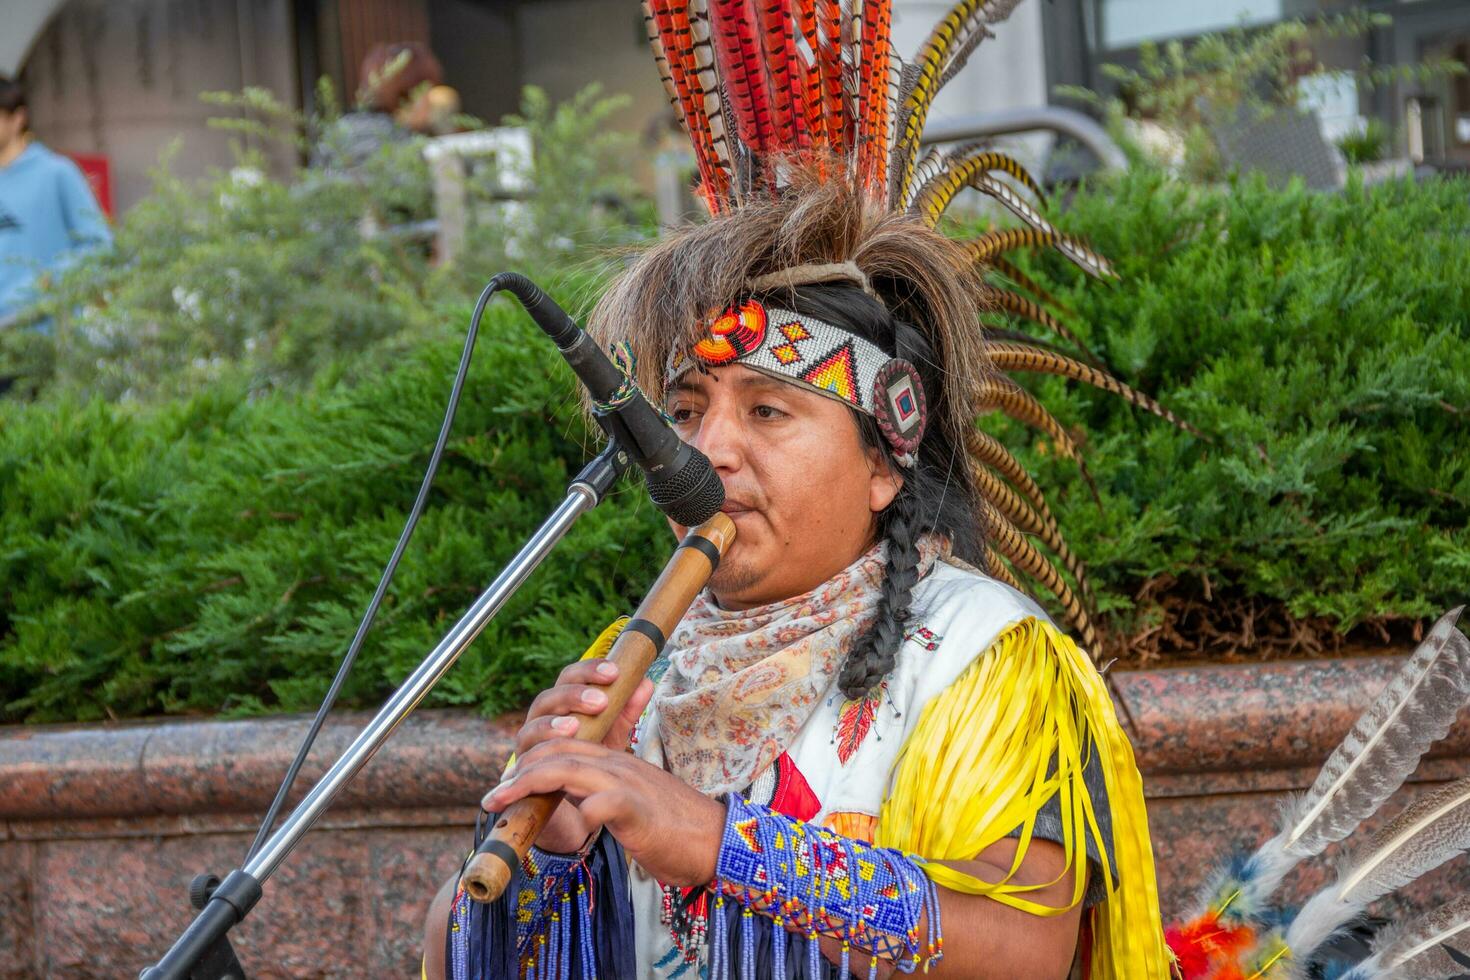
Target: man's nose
721, 438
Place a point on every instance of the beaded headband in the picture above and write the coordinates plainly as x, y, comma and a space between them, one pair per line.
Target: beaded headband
820, 357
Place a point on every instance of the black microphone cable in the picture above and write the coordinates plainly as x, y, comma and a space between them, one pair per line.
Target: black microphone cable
371, 613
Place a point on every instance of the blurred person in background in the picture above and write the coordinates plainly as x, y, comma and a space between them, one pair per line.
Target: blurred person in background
48, 214
393, 104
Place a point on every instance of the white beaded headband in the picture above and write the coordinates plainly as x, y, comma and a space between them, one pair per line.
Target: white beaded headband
820, 357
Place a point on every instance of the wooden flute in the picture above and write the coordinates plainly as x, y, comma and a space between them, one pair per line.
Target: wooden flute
490, 869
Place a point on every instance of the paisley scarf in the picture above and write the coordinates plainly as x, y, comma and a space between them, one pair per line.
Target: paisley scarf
741, 684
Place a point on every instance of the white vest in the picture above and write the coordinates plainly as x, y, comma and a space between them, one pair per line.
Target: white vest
846, 752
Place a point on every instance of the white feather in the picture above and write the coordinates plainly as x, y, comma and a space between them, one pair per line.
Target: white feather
1413, 712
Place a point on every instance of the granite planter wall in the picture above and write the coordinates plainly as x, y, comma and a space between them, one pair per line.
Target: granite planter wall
102, 828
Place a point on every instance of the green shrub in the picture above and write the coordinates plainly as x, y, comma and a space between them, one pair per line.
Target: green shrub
1320, 339
216, 552
1367, 144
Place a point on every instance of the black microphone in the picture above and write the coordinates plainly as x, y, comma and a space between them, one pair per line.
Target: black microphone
681, 480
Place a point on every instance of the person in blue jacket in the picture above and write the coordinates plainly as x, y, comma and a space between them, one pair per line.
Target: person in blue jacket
48, 214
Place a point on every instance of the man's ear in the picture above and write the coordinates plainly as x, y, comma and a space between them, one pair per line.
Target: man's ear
884, 480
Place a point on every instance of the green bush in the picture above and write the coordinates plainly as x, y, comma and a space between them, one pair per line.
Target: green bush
1321, 341
215, 552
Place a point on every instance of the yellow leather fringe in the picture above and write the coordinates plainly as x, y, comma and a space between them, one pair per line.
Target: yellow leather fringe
977, 766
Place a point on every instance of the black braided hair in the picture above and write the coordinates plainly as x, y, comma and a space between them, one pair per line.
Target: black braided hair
937, 493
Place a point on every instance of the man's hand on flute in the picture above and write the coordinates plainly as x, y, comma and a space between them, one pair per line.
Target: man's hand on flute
672, 830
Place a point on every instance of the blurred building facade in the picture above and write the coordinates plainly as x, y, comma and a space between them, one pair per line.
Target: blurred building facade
120, 79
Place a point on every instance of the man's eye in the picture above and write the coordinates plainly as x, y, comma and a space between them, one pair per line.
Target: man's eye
768, 412
680, 415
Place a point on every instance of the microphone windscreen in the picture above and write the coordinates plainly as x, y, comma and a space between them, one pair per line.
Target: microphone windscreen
691, 494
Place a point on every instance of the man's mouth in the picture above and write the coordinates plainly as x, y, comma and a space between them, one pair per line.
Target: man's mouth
735, 507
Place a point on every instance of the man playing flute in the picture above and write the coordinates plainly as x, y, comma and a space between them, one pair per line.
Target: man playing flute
865, 749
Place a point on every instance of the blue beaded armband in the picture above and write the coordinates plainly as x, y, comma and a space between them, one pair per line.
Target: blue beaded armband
813, 881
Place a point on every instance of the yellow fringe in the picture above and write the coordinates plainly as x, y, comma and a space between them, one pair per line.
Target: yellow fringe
976, 767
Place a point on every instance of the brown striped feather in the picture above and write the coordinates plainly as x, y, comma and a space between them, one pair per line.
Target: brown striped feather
1010, 357
996, 568
1022, 554
1078, 253
1018, 512
934, 198
1012, 302
985, 448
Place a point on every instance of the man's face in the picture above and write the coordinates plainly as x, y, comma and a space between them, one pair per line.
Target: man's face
799, 484
12, 126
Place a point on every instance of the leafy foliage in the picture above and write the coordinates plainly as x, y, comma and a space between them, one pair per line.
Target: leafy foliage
216, 552
1320, 341
246, 279
1181, 87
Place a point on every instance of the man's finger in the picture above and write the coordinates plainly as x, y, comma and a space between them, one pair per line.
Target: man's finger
578, 777
564, 699
595, 671
618, 734
538, 730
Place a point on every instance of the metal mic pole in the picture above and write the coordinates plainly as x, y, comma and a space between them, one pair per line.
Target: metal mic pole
205, 939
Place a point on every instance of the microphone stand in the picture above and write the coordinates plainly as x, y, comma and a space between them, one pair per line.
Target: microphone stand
203, 951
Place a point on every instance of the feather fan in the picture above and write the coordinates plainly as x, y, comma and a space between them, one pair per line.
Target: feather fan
1425, 835
1419, 949
1413, 712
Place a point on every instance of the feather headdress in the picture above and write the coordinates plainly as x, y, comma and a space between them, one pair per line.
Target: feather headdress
807, 131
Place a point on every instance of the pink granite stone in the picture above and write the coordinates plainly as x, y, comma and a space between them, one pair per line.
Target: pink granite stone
433, 759
17, 911
102, 828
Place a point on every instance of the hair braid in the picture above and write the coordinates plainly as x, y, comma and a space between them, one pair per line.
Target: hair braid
876, 649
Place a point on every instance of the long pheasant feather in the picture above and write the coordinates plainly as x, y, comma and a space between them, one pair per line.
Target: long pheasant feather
1013, 546
737, 47
920, 85
1027, 520
807, 22
986, 449
787, 86
1079, 254
834, 83
1039, 292
672, 37
1413, 712
706, 83
935, 197
1019, 357
1023, 307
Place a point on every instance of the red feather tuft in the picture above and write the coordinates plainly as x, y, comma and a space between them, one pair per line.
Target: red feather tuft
1204, 948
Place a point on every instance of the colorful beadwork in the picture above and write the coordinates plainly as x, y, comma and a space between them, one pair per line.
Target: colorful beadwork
876, 900
546, 916
801, 349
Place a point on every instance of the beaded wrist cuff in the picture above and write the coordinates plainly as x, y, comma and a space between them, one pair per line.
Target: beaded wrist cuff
877, 900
